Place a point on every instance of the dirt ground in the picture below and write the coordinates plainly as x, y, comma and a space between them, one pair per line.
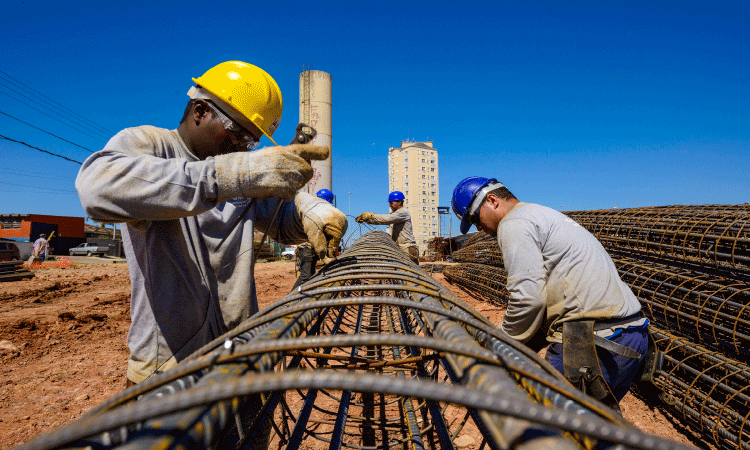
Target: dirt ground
63, 351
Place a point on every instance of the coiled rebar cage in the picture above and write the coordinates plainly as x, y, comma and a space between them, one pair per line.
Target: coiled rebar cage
706, 390
688, 266
371, 353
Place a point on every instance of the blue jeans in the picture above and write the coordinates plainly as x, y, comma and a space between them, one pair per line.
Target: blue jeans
618, 371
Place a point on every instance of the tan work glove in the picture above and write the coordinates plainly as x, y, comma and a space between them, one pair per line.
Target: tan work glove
364, 217
271, 172
324, 224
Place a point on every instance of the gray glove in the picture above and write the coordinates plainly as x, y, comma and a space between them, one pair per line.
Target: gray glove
271, 172
324, 224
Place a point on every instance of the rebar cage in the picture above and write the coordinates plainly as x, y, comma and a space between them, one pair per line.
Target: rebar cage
371, 353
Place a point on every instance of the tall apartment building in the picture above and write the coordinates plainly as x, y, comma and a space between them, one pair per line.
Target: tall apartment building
413, 170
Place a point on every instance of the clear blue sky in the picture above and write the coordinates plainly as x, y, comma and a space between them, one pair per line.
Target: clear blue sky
574, 105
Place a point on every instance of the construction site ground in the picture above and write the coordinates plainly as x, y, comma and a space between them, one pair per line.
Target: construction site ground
63, 346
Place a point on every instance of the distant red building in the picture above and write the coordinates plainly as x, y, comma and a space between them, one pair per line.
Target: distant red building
29, 226
69, 231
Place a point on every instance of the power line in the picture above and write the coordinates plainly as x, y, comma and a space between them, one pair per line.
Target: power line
37, 190
37, 148
17, 82
71, 124
34, 174
37, 187
32, 126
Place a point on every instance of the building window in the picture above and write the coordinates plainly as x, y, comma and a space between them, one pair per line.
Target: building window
9, 224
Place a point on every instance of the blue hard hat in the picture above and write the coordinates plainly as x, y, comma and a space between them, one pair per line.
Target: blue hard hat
326, 195
396, 196
464, 194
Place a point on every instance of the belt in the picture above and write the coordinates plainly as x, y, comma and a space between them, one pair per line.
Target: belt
616, 348
600, 324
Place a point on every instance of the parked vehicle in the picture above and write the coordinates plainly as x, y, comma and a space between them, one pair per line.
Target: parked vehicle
288, 253
89, 250
9, 252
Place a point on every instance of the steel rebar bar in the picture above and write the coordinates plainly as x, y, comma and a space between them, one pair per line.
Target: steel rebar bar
708, 391
371, 353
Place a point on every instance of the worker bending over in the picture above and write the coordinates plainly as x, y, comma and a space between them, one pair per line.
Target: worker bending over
399, 224
308, 258
561, 283
180, 191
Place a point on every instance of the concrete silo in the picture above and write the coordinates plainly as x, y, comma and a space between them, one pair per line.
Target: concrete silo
315, 110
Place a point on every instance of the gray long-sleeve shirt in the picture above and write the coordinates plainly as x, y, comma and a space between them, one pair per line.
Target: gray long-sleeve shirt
399, 227
185, 290
557, 272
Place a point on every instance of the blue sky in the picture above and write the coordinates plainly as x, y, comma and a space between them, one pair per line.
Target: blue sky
574, 105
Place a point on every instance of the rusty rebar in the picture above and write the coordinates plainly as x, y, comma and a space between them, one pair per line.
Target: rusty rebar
483, 282
371, 353
715, 235
706, 390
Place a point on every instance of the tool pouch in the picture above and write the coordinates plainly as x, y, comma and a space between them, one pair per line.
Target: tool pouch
581, 364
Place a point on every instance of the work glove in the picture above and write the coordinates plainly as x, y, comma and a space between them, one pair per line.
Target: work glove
271, 172
324, 224
364, 217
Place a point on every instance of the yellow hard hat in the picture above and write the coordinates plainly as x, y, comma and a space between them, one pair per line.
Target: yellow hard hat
247, 89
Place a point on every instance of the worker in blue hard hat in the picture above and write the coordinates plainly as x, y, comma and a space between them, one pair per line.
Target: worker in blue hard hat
399, 224
562, 284
326, 195
308, 258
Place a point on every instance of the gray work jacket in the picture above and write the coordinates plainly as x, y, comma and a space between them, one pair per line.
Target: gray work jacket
185, 290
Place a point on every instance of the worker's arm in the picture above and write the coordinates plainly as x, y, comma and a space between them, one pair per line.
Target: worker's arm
146, 174
131, 180
522, 258
399, 216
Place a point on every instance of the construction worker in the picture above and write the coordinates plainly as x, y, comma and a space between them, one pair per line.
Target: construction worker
180, 191
562, 284
41, 247
308, 258
399, 224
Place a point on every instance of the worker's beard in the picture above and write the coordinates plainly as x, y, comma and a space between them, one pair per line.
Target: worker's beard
228, 146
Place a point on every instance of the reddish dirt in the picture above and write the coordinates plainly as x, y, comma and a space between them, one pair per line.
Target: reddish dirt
65, 352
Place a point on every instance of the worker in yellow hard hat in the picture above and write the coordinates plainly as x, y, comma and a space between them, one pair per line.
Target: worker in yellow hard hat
180, 191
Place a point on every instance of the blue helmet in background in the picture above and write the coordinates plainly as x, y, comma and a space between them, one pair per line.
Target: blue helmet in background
326, 195
395, 196
463, 196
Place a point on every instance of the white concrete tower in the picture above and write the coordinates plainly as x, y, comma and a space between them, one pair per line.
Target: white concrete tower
315, 110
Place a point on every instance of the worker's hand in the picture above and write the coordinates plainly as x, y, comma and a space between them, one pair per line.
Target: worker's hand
364, 217
271, 172
324, 224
